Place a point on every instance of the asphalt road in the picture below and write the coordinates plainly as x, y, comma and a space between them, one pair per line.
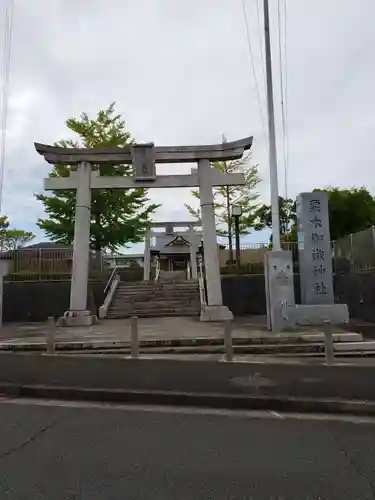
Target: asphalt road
69, 452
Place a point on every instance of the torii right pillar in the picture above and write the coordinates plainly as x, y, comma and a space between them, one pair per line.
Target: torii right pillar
214, 310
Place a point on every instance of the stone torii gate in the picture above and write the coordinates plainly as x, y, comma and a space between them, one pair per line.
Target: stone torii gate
177, 224
143, 158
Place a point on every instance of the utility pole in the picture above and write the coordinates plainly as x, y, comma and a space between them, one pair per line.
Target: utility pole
236, 214
271, 134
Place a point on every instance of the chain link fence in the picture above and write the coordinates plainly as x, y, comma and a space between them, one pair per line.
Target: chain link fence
356, 251
353, 253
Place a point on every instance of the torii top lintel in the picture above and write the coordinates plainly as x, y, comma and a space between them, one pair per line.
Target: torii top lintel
163, 154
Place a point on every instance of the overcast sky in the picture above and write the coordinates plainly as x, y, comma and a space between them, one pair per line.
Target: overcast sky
180, 73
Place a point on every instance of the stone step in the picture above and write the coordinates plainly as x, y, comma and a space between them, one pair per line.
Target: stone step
148, 310
157, 290
159, 297
153, 313
164, 293
122, 291
154, 303
174, 286
159, 283
356, 346
270, 349
160, 300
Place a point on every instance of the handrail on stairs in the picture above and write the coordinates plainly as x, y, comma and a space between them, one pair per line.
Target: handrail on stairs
113, 273
109, 292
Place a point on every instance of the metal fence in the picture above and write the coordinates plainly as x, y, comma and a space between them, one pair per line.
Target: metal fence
44, 264
253, 253
356, 250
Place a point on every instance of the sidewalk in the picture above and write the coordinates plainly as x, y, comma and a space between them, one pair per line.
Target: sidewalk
118, 330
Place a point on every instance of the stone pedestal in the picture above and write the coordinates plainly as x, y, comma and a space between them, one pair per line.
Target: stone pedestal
279, 290
318, 314
77, 318
314, 248
216, 313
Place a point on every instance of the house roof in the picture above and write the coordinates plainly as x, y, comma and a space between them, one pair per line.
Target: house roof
48, 245
178, 240
166, 243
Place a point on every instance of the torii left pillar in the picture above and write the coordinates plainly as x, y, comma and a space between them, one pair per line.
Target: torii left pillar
78, 314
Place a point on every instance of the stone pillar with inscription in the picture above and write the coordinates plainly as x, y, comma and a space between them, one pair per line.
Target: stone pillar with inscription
314, 247
279, 284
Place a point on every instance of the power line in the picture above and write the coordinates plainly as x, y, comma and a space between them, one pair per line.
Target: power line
8, 28
253, 68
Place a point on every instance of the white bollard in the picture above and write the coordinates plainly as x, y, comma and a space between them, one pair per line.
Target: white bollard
51, 331
228, 346
134, 342
328, 342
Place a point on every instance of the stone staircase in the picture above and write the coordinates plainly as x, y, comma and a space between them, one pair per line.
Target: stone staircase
172, 276
166, 297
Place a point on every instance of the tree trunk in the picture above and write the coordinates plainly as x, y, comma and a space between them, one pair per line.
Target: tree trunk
98, 248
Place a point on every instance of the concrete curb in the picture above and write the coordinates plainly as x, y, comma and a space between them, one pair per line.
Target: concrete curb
207, 400
314, 340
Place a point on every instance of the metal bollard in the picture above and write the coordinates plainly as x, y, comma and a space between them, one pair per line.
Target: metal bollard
328, 342
134, 342
228, 346
51, 335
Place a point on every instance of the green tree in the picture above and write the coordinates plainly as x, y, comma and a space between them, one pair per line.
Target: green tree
350, 210
227, 196
118, 217
287, 211
12, 239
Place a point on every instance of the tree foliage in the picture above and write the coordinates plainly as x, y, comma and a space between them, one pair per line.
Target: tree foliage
227, 196
118, 217
287, 212
350, 210
12, 239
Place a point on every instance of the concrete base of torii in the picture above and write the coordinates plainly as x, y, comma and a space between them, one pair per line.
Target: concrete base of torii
216, 313
77, 318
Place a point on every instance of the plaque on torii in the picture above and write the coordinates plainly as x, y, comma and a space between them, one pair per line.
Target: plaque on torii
143, 158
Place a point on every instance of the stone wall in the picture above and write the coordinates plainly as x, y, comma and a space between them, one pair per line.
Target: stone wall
358, 291
36, 300
244, 294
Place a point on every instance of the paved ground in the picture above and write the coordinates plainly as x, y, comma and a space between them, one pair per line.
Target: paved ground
111, 453
149, 328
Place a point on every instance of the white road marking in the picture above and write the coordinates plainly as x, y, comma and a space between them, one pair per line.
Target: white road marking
185, 410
